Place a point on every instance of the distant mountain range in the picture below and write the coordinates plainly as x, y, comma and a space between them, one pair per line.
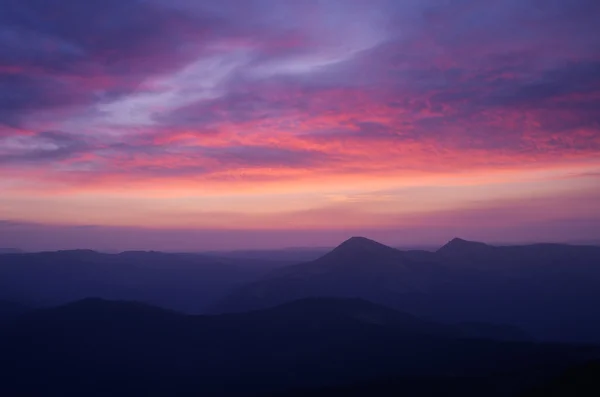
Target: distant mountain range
96, 347
296, 255
187, 282
549, 290
10, 251
469, 319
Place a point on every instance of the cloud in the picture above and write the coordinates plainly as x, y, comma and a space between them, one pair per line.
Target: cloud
69, 53
20, 94
199, 161
105, 95
498, 222
42, 148
264, 156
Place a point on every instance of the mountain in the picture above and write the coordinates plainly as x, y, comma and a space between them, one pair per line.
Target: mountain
464, 248
494, 331
358, 267
345, 313
187, 282
128, 348
290, 255
7, 307
10, 251
547, 290
99, 310
580, 381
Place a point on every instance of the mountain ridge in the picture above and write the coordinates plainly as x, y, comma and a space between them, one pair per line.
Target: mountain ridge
309, 343
464, 281
93, 311
461, 246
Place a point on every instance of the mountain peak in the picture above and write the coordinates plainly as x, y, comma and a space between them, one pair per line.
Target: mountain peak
359, 241
359, 244
361, 250
459, 246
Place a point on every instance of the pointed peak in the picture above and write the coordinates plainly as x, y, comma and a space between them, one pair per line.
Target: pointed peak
362, 246
359, 239
458, 240
361, 242
459, 245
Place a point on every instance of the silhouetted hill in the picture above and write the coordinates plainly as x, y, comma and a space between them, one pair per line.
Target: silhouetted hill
11, 307
124, 349
186, 282
349, 312
358, 267
97, 309
289, 255
548, 290
356, 254
460, 247
494, 331
10, 251
361, 248
580, 381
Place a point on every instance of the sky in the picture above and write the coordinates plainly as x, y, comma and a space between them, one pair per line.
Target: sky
193, 125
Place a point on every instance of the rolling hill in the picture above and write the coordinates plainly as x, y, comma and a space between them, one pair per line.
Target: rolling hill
100, 348
548, 290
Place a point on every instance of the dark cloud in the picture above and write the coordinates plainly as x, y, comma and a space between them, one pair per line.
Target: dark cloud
265, 156
235, 107
556, 83
107, 31
199, 160
21, 94
42, 148
69, 52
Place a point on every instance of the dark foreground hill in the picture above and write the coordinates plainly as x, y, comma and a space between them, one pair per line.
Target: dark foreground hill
102, 348
11, 308
549, 290
10, 311
579, 381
